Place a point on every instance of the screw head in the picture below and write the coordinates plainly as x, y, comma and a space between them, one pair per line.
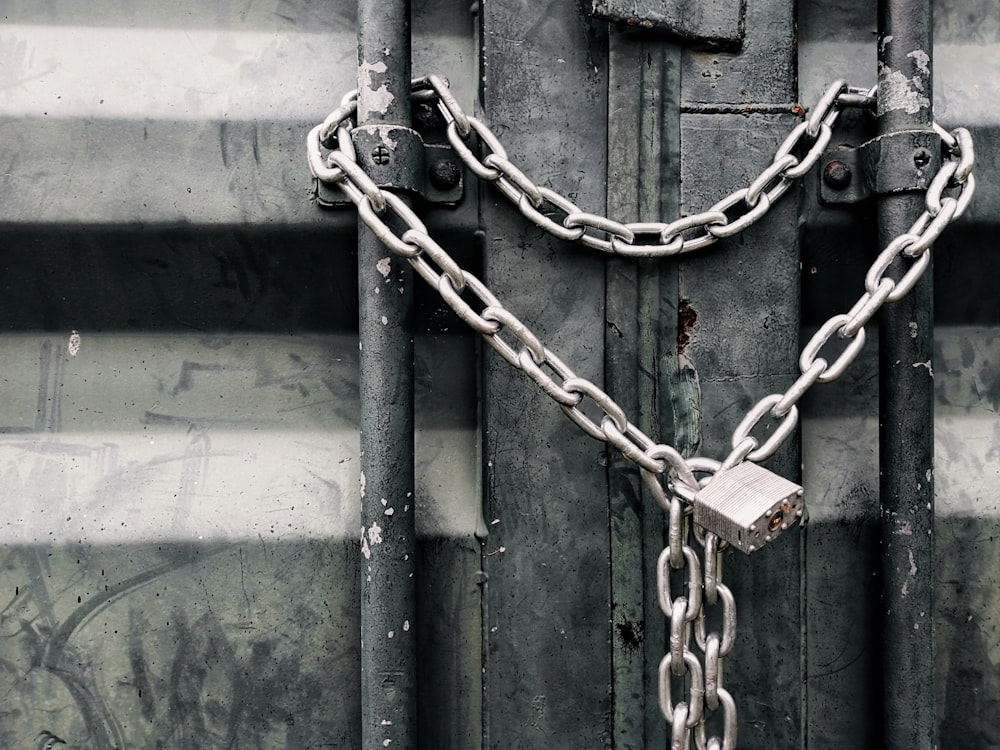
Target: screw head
837, 175
380, 155
921, 158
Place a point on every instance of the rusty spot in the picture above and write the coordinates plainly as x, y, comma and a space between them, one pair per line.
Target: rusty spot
798, 110
631, 633
687, 319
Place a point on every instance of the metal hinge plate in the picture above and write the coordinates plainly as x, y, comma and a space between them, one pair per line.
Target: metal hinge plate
894, 163
443, 180
708, 23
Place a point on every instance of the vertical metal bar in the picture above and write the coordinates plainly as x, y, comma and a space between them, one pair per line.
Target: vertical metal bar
906, 407
640, 364
388, 653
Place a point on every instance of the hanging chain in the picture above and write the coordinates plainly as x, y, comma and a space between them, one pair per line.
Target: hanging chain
332, 160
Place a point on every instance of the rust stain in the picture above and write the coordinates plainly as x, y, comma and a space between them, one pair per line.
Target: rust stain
687, 319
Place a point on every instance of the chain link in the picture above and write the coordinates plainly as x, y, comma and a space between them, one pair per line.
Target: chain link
332, 159
701, 674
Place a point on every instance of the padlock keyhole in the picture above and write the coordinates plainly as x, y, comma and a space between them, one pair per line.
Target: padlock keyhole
774, 523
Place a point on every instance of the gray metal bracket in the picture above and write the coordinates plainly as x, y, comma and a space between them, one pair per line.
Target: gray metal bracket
896, 163
713, 24
438, 177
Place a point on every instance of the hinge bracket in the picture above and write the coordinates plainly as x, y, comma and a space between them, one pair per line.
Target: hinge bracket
895, 163
397, 158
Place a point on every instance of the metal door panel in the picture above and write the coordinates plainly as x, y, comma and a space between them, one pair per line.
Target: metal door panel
547, 655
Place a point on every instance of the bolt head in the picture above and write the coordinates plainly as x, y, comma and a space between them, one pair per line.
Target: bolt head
837, 175
445, 174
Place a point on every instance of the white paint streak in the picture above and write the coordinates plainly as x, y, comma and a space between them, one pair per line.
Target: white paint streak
364, 481
384, 266
913, 571
365, 549
926, 364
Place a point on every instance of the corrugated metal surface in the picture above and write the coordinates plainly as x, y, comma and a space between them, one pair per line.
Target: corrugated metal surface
180, 544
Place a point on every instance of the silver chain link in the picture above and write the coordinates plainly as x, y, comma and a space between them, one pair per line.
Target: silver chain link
332, 160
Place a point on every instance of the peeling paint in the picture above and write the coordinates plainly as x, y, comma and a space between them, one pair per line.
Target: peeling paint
406, 626
375, 533
926, 364
896, 91
914, 329
905, 530
385, 135
372, 99
921, 58
913, 572
364, 482
385, 321
383, 267
365, 549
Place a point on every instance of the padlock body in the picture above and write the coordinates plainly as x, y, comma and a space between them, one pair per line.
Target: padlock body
748, 506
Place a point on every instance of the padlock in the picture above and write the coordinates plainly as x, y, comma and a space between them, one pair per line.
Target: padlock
748, 506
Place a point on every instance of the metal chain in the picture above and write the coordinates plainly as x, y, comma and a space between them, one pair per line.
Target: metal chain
702, 675
332, 160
